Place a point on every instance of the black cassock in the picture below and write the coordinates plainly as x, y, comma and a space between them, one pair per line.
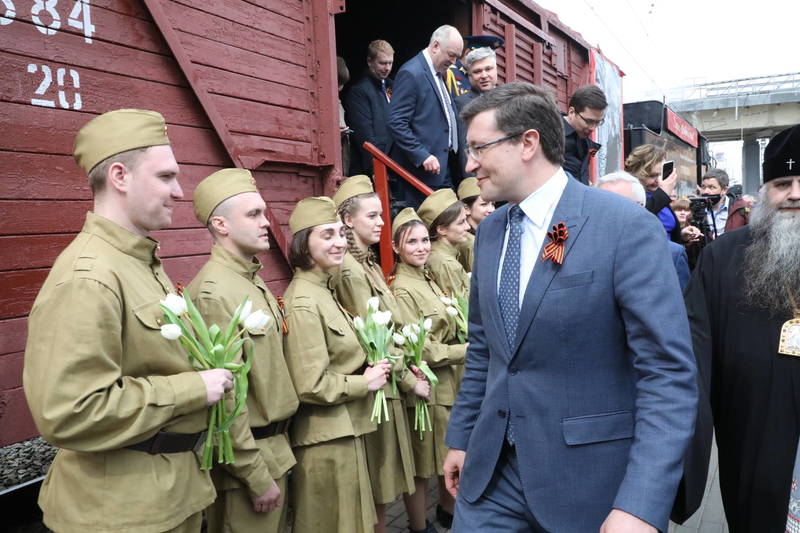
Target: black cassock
754, 395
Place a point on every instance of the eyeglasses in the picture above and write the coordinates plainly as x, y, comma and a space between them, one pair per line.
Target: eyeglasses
475, 151
592, 123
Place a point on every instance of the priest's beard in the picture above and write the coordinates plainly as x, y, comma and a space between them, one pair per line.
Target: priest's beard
772, 261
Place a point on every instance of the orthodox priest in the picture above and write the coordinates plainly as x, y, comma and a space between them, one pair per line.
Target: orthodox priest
743, 303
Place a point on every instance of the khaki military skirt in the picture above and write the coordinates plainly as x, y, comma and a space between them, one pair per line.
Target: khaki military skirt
389, 455
330, 488
429, 451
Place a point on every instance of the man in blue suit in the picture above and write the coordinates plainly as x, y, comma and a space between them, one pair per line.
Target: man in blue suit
367, 107
422, 118
579, 393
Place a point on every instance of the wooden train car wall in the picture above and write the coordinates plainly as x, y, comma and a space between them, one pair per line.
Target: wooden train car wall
247, 84
538, 48
241, 83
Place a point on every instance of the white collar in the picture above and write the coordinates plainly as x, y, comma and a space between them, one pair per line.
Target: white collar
540, 203
429, 61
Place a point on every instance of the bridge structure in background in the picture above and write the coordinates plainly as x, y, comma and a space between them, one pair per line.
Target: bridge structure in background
747, 109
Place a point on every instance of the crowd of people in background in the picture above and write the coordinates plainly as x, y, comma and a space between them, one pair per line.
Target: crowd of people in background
583, 398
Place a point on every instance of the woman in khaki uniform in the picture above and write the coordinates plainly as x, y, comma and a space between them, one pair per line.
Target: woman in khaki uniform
477, 209
389, 455
418, 296
330, 487
446, 219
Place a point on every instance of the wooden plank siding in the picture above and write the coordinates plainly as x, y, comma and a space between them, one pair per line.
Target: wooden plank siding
542, 50
248, 83
257, 63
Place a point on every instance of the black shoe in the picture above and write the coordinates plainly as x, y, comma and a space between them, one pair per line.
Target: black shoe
443, 517
428, 528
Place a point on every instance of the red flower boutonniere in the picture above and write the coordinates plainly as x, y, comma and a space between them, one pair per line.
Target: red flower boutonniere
554, 250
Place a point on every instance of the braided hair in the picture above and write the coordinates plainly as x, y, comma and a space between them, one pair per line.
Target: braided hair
351, 207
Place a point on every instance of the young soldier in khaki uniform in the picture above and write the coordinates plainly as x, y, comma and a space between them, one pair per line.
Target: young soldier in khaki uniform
121, 401
251, 492
389, 455
477, 209
446, 219
330, 487
418, 296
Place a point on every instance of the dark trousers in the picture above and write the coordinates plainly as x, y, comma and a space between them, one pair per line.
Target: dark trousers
502, 507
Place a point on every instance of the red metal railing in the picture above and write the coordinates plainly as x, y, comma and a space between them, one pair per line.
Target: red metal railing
380, 163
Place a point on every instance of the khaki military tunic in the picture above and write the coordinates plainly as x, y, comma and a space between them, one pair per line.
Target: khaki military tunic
330, 487
450, 276
389, 454
218, 289
418, 296
466, 252
99, 376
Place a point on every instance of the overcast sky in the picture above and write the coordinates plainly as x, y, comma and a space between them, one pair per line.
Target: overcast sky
663, 44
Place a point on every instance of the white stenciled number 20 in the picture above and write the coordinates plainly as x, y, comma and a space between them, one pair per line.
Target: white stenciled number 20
47, 80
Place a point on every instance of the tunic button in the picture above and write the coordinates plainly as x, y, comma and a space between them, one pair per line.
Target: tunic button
512, 372
501, 413
158, 321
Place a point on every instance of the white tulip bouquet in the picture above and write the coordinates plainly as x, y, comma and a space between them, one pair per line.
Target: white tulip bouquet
210, 347
376, 336
413, 337
458, 308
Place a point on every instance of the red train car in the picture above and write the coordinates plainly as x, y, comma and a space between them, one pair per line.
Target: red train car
249, 84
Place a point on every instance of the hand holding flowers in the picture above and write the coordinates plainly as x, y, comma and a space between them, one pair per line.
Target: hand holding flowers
376, 336
209, 348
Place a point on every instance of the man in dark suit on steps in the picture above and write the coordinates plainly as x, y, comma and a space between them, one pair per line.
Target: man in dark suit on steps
367, 107
422, 118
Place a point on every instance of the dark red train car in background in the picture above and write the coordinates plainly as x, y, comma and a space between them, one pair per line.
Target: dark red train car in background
241, 83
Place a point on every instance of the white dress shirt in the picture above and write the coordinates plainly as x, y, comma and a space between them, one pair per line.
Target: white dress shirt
538, 207
444, 97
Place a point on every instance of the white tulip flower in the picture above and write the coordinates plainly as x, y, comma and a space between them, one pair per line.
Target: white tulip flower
452, 311
246, 308
382, 317
171, 331
373, 303
398, 339
256, 321
406, 330
446, 301
427, 324
414, 338
358, 322
175, 303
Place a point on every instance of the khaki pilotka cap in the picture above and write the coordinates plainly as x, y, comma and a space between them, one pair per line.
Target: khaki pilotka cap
353, 186
218, 187
312, 211
406, 215
116, 132
435, 204
468, 188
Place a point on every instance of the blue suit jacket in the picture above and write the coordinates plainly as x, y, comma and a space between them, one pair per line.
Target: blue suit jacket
367, 113
601, 382
418, 124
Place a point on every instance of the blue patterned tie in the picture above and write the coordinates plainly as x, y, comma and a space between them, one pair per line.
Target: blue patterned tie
509, 276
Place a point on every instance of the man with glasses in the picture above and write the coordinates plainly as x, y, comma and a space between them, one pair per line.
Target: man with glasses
579, 393
587, 109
